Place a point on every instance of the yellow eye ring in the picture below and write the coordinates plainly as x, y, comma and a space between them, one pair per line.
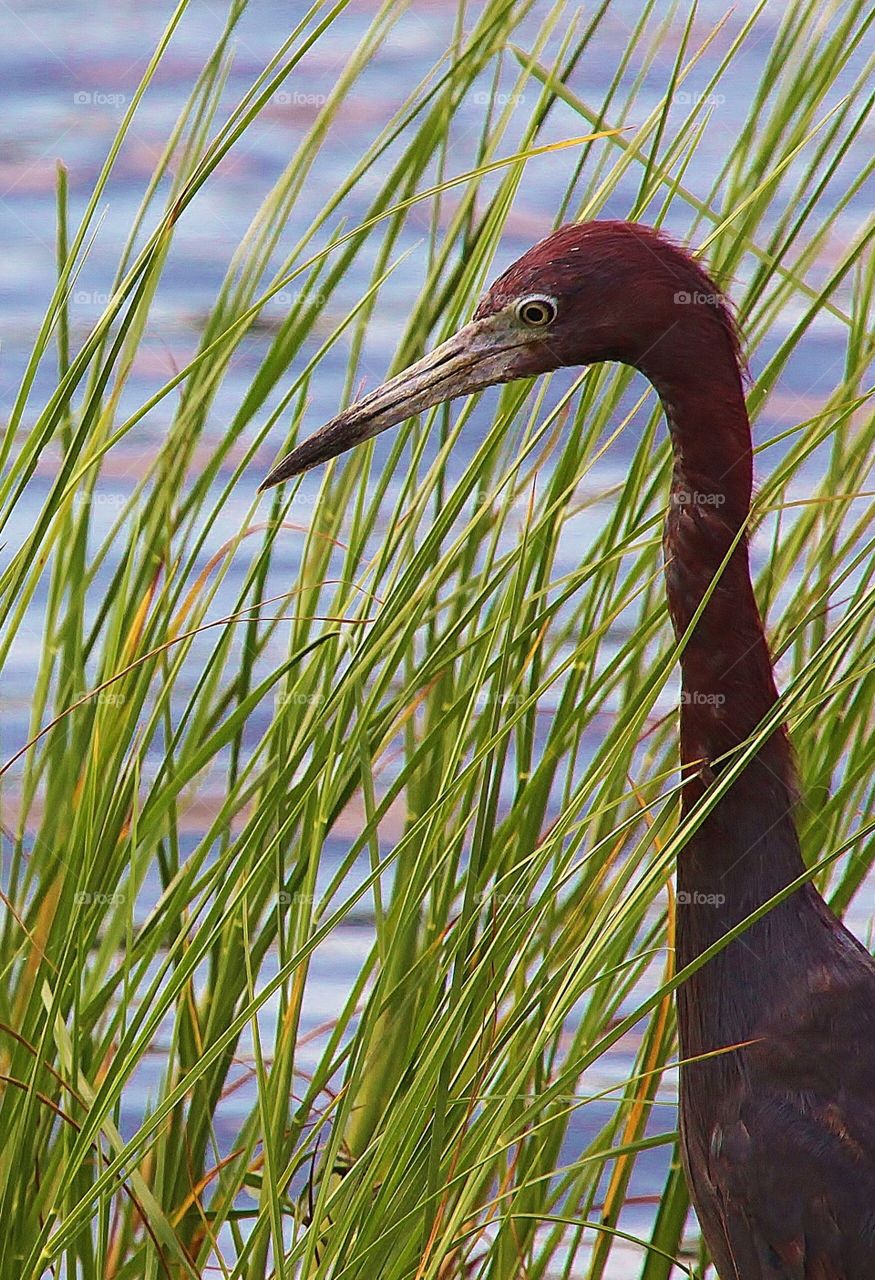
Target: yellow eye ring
537, 310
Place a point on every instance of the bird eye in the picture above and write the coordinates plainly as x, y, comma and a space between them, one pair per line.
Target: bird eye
537, 311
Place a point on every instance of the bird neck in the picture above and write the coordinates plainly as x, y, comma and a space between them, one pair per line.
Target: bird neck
728, 684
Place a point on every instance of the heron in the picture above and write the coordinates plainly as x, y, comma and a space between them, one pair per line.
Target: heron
776, 1029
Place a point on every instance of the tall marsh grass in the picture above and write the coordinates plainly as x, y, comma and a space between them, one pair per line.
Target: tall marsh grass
411, 670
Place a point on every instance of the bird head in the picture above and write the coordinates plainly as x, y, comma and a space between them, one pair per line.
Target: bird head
588, 293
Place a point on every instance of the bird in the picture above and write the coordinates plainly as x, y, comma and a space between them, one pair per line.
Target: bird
776, 1030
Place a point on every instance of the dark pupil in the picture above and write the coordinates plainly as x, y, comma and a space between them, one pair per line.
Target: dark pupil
536, 313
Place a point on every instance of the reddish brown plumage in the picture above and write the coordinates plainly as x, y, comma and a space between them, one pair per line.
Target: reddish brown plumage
778, 1137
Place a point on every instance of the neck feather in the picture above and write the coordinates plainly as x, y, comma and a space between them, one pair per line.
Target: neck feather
747, 848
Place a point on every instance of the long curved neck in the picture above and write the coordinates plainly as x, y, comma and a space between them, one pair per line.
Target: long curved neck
728, 684
747, 848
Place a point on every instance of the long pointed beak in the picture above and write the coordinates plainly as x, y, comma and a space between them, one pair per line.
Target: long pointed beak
479, 355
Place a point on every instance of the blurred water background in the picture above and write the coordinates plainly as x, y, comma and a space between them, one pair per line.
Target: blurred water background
67, 71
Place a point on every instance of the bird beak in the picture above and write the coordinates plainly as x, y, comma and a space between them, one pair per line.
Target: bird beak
479, 355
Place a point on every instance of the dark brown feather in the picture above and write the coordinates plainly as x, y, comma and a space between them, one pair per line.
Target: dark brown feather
778, 1138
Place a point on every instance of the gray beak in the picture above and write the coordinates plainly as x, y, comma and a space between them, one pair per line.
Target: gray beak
479, 355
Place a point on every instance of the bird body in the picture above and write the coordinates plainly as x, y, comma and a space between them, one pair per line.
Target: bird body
778, 1136
777, 1029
